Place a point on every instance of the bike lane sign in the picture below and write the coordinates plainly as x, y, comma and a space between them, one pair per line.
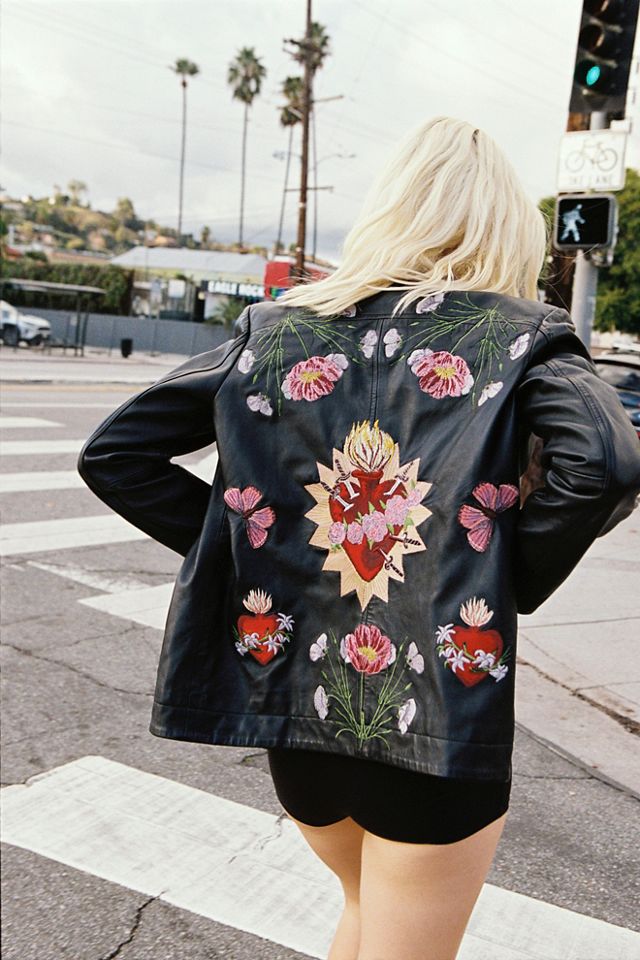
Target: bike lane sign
592, 160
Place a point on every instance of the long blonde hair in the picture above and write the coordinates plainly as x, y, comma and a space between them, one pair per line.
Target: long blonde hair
447, 212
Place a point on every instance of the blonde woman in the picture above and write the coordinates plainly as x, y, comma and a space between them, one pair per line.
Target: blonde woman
351, 580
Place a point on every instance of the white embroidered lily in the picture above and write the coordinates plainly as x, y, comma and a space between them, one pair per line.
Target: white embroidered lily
246, 361
321, 702
519, 346
392, 341
445, 634
285, 622
368, 342
406, 713
251, 640
274, 642
318, 650
484, 660
415, 660
344, 653
240, 647
259, 403
491, 390
500, 671
458, 660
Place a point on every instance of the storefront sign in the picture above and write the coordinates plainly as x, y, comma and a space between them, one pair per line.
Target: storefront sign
234, 289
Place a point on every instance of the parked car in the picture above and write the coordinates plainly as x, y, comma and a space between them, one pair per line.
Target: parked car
16, 327
621, 368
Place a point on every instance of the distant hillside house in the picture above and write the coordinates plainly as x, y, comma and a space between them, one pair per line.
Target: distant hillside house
215, 276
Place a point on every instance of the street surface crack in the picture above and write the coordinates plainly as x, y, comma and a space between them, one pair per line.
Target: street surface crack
134, 927
80, 673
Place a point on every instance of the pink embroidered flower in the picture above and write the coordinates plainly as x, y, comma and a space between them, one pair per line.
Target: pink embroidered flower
414, 497
311, 379
368, 650
355, 533
396, 509
374, 526
443, 374
337, 532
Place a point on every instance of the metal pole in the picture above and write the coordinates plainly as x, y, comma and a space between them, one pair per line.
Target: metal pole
298, 271
585, 278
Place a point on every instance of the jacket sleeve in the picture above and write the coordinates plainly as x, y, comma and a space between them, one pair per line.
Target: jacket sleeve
590, 457
126, 460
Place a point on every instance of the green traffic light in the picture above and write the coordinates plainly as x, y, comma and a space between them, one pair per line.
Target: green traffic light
593, 75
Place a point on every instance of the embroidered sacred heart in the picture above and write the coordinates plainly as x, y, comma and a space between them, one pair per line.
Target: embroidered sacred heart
264, 625
473, 639
364, 493
260, 632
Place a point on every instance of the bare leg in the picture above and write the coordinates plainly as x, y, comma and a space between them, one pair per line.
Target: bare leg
339, 846
416, 899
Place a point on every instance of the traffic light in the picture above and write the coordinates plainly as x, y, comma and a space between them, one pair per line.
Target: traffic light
584, 220
604, 55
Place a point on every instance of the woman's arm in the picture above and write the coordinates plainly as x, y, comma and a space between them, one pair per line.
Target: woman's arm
126, 460
590, 457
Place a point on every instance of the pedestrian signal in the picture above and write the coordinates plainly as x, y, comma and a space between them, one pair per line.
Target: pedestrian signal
583, 221
604, 55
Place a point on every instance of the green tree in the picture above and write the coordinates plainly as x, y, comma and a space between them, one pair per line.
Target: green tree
183, 68
226, 313
76, 188
245, 76
618, 300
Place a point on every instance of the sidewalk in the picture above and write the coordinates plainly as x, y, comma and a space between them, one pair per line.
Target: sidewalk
23, 365
578, 669
578, 665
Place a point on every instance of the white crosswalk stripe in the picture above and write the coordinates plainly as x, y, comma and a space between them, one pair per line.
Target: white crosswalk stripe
15, 422
35, 536
19, 448
40, 480
248, 869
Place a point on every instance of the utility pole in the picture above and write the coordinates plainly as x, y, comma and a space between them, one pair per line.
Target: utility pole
298, 270
585, 277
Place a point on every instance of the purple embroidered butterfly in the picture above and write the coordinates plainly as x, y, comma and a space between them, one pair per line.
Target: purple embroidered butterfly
256, 522
479, 521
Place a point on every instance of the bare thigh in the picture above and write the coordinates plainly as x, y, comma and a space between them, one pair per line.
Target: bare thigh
416, 899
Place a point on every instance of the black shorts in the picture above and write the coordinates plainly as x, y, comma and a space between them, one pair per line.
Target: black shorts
320, 788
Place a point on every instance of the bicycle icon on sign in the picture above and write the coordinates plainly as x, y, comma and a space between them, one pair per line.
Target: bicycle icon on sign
604, 158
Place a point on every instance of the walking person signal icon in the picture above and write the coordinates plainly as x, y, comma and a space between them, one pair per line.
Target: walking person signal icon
583, 221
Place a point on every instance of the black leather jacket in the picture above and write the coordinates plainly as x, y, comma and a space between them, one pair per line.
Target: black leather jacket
351, 581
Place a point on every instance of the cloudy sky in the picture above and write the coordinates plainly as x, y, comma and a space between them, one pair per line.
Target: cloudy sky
87, 93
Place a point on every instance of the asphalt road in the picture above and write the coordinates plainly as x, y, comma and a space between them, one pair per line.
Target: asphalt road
78, 682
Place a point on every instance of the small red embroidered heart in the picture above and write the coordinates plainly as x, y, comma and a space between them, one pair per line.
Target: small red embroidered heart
489, 641
367, 561
262, 624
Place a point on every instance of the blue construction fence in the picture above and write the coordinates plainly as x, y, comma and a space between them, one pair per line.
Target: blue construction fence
148, 335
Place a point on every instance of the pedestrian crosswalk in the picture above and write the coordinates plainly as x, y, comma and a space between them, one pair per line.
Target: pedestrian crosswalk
249, 869
190, 848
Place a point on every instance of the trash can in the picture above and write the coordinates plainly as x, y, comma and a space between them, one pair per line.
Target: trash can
126, 346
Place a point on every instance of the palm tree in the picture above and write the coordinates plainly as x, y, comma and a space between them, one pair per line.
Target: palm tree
245, 76
290, 115
183, 68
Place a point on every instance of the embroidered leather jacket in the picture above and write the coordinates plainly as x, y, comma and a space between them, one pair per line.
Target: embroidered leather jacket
351, 579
